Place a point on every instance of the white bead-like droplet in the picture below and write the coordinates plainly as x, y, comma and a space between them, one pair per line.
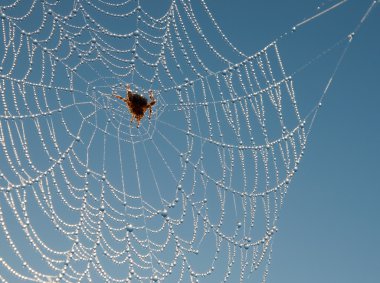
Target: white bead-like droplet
164, 213
129, 228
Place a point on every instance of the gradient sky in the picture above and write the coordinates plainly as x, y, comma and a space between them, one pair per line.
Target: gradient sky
329, 229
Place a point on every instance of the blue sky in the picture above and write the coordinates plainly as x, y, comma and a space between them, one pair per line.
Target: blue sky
328, 228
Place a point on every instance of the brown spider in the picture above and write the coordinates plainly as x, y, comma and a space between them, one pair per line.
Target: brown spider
137, 104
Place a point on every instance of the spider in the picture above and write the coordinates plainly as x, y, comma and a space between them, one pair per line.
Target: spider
137, 104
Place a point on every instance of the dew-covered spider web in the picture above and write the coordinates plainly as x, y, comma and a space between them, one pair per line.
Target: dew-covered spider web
192, 195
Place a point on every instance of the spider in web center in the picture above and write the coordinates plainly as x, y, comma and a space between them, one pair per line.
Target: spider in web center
137, 104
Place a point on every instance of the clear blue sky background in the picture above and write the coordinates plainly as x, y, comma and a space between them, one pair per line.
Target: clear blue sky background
329, 229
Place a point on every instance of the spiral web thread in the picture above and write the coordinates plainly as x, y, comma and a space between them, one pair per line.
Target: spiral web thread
192, 195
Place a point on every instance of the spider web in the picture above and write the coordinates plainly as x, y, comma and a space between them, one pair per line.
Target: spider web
193, 194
